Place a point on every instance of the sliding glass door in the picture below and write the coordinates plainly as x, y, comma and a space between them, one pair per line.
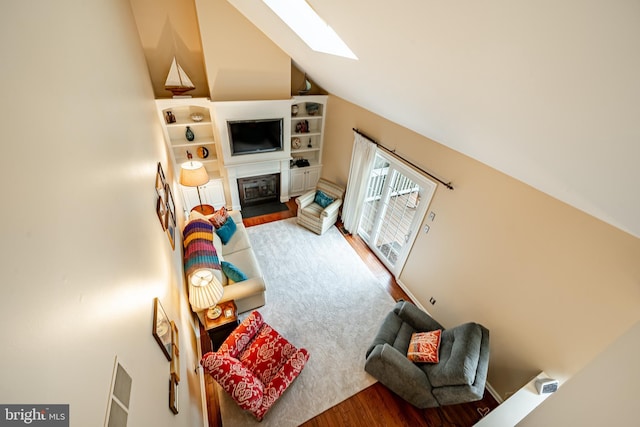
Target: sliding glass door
394, 208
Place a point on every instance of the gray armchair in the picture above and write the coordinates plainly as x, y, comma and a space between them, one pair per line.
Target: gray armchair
459, 376
313, 216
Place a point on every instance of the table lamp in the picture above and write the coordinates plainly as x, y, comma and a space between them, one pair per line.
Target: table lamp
205, 290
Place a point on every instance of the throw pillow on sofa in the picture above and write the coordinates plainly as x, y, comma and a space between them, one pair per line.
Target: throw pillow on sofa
233, 272
219, 217
225, 232
323, 199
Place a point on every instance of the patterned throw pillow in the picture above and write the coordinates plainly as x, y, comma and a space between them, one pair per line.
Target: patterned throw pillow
323, 199
219, 217
424, 347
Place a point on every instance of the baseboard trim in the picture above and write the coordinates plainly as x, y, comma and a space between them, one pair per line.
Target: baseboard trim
413, 297
492, 391
417, 302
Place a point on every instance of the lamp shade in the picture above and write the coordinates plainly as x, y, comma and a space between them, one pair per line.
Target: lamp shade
193, 174
205, 289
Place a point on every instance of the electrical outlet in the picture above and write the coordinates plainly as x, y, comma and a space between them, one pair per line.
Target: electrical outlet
426, 228
432, 215
432, 300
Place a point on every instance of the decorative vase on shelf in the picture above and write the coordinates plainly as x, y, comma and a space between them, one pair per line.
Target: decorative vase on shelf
189, 134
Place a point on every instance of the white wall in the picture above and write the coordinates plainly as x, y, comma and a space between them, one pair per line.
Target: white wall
83, 254
605, 393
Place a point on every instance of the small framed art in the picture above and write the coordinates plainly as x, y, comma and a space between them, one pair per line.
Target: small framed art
160, 180
171, 207
161, 204
162, 328
170, 216
173, 394
171, 232
161, 211
175, 352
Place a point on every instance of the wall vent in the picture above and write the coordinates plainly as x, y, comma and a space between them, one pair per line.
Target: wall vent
119, 397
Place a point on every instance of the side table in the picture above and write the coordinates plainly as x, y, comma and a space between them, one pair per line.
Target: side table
220, 327
204, 209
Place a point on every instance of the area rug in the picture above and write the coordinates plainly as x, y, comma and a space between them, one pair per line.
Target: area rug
320, 296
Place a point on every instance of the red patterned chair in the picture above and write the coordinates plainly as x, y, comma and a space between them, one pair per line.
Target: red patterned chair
255, 365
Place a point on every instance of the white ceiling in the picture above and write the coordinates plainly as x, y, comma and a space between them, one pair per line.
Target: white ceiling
547, 92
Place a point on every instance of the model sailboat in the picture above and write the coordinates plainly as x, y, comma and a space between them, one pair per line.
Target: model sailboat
177, 81
306, 86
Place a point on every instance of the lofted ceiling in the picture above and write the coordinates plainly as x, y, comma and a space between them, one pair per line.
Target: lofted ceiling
547, 92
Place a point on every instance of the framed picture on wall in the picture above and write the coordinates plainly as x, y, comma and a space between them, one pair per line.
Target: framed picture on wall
171, 232
160, 180
175, 352
161, 211
170, 216
171, 207
173, 394
161, 203
162, 328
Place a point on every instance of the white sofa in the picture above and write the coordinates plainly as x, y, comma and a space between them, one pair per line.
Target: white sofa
248, 294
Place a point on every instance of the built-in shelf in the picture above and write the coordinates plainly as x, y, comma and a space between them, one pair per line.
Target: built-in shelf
303, 179
176, 116
304, 150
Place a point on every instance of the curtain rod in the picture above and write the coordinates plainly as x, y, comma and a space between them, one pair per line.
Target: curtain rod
393, 152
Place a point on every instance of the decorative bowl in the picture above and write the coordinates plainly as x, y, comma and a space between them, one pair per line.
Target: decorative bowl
203, 152
214, 312
197, 117
313, 108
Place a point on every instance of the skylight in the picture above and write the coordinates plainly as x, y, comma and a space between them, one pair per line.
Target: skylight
310, 27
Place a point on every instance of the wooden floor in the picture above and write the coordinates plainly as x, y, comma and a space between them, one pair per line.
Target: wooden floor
376, 405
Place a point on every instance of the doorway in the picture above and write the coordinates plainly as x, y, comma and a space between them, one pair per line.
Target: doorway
395, 205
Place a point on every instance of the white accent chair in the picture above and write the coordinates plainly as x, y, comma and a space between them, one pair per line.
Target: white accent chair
313, 216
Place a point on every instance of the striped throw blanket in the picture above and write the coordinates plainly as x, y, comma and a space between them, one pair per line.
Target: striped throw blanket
198, 244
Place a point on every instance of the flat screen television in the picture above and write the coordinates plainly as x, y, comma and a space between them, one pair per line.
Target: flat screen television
255, 136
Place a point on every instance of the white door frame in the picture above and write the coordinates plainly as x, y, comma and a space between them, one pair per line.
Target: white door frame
427, 190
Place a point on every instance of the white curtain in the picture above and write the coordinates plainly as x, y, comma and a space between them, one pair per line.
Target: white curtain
362, 158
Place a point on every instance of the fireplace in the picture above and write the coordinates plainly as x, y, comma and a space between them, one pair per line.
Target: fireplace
256, 190
256, 164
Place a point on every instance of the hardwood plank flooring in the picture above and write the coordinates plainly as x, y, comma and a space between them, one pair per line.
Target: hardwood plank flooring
375, 405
